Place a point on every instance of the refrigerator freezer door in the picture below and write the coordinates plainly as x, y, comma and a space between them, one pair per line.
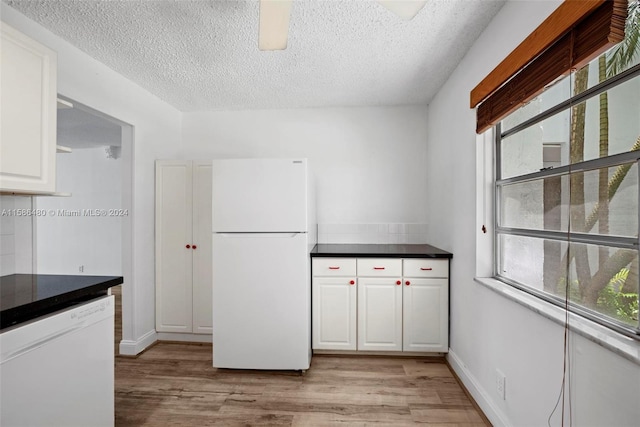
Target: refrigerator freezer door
260, 195
261, 301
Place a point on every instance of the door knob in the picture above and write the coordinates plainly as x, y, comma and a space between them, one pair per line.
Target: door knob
188, 246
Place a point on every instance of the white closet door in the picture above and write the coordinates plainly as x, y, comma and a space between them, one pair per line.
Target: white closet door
173, 246
202, 253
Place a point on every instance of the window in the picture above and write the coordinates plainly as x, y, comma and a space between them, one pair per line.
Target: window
567, 185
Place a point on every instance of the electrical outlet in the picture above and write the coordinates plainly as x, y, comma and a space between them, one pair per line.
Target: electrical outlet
81, 269
501, 382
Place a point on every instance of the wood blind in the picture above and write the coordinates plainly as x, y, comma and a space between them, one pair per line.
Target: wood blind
584, 37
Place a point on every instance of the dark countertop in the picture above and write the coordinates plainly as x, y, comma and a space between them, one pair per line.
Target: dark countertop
26, 296
378, 251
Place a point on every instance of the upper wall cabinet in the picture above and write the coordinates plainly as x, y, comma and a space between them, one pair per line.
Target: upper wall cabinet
27, 114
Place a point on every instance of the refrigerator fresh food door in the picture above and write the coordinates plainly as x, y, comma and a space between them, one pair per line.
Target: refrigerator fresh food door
261, 301
259, 195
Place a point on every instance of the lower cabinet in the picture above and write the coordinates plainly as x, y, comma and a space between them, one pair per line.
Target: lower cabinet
380, 304
334, 309
425, 310
379, 314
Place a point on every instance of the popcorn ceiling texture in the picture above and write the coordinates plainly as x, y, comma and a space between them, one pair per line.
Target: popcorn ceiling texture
203, 55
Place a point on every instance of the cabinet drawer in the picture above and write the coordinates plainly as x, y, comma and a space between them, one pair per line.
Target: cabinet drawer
379, 267
334, 266
426, 268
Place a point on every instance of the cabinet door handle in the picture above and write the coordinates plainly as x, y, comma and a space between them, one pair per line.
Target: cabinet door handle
398, 282
407, 283
334, 268
195, 247
352, 282
188, 246
378, 268
426, 269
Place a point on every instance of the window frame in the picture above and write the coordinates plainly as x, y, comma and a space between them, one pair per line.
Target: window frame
564, 236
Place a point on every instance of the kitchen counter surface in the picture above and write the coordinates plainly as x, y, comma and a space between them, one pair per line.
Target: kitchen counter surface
26, 296
378, 251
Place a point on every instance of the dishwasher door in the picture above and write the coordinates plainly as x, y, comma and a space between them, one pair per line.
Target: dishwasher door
59, 369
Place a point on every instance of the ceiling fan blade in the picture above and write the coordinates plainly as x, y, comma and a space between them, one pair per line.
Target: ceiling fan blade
274, 24
405, 9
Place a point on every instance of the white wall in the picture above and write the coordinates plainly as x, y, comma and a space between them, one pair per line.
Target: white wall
490, 332
68, 237
368, 162
16, 236
156, 135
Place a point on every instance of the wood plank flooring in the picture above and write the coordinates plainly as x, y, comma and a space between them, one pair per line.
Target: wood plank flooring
175, 384
116, 291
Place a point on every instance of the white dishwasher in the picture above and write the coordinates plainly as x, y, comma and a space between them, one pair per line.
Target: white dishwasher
58, 370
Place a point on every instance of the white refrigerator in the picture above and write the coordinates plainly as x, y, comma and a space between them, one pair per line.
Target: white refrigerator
264, 226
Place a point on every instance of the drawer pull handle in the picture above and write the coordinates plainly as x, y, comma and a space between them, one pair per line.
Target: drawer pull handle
378, 268
407, 283
426, 269
334, 268
352, 282
398, 282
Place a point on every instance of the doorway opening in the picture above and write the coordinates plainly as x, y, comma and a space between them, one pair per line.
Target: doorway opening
87, 230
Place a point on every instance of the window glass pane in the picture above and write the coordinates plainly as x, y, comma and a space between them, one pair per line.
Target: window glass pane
598, 279
605, 280
538, 205
537, 263
607, 124
553, 94
601, 126
610, 210
524, 152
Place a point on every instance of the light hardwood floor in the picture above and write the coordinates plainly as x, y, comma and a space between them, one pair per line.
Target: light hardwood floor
116, 291
175, 384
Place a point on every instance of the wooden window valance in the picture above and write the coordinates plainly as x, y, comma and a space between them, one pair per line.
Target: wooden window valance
575, 33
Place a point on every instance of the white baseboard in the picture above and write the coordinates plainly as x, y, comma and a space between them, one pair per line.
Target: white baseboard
480, 395
175, 336
378, 353
132, 348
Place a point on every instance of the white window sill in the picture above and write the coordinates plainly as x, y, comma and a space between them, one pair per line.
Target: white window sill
622, 345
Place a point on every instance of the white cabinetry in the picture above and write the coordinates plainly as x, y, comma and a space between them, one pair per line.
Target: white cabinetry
399, 305
334, 303
425, 300
379, 304
183, 246
27, 114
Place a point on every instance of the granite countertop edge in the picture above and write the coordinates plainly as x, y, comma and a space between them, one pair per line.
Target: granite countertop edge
20, 313
346, 250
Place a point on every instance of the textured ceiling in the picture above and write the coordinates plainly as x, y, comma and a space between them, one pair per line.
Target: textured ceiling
203, 55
